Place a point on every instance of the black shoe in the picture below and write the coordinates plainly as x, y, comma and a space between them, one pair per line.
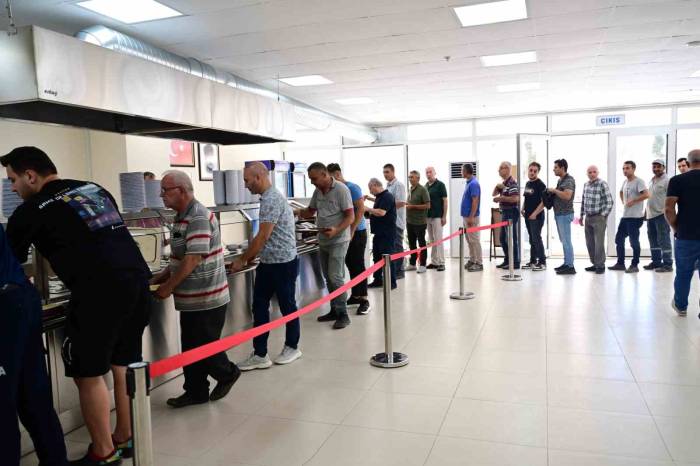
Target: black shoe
440, 268
330, 317
502, 265
618, 267
632, 269
186, 400
651, 266
393, 287
126, 449
364, 308
592, 268
664, 268
375, 284
600, 270
562, 266
222, 388
400, 277
528, 266
353, 301
113, 460
342, 322
568, 270
431, 266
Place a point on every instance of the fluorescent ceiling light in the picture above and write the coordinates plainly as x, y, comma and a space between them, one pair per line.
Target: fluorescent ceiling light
130, 11
355, 101
509, 59
492, 12
696, 74
518, 87
310, 80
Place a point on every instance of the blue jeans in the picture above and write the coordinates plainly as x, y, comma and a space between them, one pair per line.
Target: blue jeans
687, 257
628, 227
279, 280
514, 215
659, 234
564, 229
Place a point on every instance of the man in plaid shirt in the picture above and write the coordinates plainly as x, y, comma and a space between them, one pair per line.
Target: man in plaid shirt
596, 205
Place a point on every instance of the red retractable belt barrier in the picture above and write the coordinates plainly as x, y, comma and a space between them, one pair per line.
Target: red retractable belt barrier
186, 358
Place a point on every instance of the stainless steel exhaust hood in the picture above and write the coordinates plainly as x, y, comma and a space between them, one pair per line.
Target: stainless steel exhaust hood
54, 78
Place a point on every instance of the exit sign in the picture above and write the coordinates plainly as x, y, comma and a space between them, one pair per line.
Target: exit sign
610, 120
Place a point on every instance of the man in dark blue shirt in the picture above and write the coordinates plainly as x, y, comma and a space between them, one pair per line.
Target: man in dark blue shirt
25, 389
382, 221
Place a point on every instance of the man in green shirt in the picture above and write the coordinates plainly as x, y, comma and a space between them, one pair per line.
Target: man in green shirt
437, 218
417, 219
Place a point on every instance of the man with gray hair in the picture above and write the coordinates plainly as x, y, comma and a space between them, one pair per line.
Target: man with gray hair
437, 218
596, 205
382, 221
196, 278
508, 197
417, 220
684, 192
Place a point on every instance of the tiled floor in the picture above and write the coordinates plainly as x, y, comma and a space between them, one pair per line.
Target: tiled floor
555, 370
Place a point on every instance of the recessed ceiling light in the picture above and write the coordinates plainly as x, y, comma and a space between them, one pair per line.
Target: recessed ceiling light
696, 74
518, 87
355, 101
492, 12
130, 11
509, 59
310, 80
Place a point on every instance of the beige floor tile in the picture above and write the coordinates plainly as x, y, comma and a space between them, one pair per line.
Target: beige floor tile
508, 361
605, 433
584, 343
586, 365
681, 436
357, 446
519, 424
596, 395
464, 452
419, 380
333, 373
400, 412
672, 400
503, 386
666, 370
269, 442
74, 449
571, 458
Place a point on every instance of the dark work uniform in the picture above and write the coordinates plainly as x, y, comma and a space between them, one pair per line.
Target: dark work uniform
385, 233
75, 225
25, 390
533, 196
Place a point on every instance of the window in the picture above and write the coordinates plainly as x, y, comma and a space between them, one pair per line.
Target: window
363, 163
509, 126
422, 132
315, 138
688, 139
688, 115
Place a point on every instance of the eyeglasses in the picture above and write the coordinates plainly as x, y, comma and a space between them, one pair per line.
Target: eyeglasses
165, 190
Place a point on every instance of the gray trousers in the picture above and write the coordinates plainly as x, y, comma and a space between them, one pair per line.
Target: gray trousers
333, 268
595, 226
398, 247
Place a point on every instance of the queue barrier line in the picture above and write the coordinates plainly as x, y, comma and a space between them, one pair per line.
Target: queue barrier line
177, 361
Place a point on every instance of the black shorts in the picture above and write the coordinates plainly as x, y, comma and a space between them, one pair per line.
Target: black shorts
104, 325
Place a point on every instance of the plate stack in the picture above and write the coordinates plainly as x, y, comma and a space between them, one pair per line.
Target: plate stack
10, 200
219, 187
153, 199
133, 190
232, 187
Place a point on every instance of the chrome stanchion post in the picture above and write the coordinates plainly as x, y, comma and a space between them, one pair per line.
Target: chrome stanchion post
461, 294
511, 277
388, 358
138, 383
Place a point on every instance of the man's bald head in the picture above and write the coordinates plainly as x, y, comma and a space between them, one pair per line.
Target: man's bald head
257, 178
592, 172
694, 158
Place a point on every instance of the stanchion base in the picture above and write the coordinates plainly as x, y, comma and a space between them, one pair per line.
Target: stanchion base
381, 360
512, 278
462, 296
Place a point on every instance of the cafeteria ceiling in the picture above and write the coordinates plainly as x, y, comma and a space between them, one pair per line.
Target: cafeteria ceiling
591, 53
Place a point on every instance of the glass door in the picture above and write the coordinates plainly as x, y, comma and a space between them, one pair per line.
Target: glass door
642, 149
531, 148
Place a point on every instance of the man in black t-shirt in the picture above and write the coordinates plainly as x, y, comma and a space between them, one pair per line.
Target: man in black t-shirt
383, 225
76, 226
533, 211
684, 191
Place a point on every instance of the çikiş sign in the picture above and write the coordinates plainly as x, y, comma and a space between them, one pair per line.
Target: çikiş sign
610, 120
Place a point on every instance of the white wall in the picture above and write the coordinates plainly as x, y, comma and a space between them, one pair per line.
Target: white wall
107, 160
234, 157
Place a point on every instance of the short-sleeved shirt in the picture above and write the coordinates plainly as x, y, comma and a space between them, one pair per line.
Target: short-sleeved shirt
416, 196
510, 188
76, 226
196, 232
356, 195
686, 187
384, 227
398, 190
281, 246
632, 190
533, 196
657, 193
471, 190
10, 269
331, 208
562, 207
438, 192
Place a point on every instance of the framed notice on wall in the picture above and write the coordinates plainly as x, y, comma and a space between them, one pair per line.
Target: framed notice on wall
208, 161
181, 153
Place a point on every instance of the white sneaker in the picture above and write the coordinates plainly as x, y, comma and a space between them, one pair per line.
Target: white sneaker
288, 355
421, 269
410, 268
255, 362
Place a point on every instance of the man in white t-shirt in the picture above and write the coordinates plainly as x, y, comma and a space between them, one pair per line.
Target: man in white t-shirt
633, 194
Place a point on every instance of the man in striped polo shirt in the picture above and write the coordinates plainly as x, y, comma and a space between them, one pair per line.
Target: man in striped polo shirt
196, 277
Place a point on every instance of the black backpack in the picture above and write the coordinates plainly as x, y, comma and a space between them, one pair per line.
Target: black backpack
548, 199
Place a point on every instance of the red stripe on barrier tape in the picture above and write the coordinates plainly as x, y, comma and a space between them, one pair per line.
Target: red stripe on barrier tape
186, 358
